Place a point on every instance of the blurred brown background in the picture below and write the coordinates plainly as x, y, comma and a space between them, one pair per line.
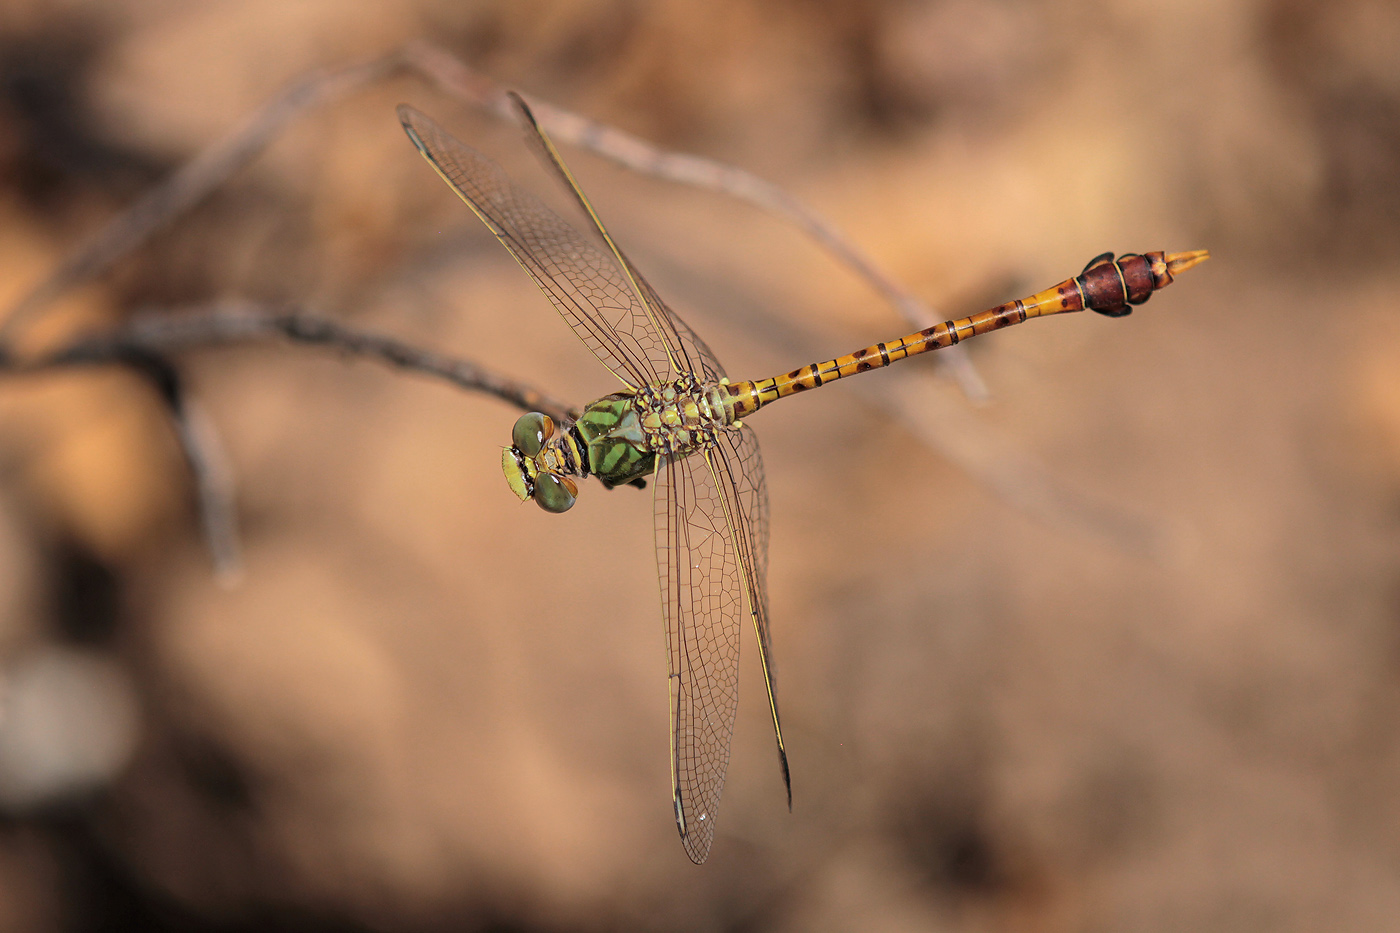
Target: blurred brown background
427, 707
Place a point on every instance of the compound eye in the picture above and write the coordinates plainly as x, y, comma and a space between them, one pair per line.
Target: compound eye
531, 431
555, 493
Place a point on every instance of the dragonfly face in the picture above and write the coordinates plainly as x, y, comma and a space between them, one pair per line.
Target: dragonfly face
530, 472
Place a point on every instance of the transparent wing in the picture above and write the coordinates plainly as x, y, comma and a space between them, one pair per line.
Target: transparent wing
703, 604
687, 352
588, 287
694, 352
711, 547
738, 470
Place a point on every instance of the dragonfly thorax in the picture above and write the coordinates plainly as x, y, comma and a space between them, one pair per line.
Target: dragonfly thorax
616, 438
680, 417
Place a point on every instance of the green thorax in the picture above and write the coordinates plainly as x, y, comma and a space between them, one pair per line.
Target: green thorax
618, 437
615, 447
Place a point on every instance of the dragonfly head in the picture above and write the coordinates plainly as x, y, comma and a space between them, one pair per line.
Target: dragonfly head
525, 475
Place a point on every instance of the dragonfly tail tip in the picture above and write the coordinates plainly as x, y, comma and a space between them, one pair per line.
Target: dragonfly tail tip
787, 775
1178, 263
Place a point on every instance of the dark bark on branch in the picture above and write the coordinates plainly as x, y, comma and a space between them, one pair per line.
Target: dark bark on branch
233, 323
144, 345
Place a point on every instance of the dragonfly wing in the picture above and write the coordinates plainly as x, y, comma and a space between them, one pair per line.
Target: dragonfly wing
738, 471
703, 604
694, 352
685, 352
589, 288
712, 556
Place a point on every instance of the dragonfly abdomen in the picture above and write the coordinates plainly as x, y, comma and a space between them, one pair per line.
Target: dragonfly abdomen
1107, 285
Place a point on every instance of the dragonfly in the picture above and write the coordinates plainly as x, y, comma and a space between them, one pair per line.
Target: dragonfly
680, 420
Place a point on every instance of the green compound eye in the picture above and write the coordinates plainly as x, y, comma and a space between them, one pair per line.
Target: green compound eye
555, 493
530, 432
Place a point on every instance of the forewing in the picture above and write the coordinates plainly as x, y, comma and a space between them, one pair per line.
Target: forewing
738, 471
694, 353
686, 352
702, 600
588, 287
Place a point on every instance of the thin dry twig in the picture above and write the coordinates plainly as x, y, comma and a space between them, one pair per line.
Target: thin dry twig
192, 183
246, 322
1004, 467
198, 439
216, 503
144, 344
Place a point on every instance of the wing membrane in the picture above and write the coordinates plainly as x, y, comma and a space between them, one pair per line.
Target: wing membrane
711, 546
702, 601
737, 467
685, 351
586, 286
694, 352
